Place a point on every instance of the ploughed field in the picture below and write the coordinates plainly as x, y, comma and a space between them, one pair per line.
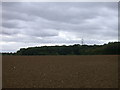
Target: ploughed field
90, 71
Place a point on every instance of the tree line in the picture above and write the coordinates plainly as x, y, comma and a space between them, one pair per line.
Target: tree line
112, 48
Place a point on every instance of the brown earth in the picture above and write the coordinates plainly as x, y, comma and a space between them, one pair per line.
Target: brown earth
92, 71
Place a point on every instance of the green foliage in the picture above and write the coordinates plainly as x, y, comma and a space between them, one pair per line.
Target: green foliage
111, 48
8, 53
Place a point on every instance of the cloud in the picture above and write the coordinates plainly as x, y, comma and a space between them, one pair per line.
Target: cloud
51, 23
9, 24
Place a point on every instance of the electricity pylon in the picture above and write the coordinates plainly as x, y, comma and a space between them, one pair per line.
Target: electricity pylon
82, 41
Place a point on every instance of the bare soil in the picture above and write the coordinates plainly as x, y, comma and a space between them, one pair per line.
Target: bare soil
90, 71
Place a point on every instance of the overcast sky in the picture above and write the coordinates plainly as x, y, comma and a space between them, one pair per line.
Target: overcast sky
26, 24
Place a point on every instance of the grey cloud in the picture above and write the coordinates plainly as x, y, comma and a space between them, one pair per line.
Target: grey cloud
9, 24
59, 23
43, 33
65, 13
8, 32
7, 15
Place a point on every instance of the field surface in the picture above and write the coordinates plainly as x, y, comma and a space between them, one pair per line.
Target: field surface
92, 71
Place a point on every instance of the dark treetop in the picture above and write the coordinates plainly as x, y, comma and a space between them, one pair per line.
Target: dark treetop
112, 48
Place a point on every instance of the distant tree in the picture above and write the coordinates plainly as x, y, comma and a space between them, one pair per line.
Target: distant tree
112, 48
